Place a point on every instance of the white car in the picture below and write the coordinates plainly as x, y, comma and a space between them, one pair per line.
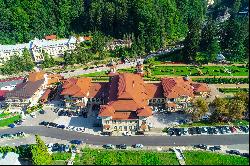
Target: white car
50, 146
138, 146
66, 148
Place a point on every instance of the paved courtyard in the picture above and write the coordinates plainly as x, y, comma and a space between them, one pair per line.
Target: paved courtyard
162, 120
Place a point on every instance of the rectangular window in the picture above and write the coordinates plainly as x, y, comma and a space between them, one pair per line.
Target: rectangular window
120, 121
120, 127
125, 128
131, 121
107, 122
115, 128
130, 127
135, 127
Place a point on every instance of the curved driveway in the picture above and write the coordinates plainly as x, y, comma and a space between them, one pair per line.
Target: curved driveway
145, 140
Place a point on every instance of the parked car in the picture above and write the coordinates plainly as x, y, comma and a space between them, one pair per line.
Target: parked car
138, 146
18, 122
70, 114
177, 132
209, 130
122, 146
214, 148
233, 152
201, 146
61, 126
109, 146
41, 111
50, 146
203, 130
139, 133
233, 129
66, 148
198, 130
245, 155
77, 142
11, 125
60, 113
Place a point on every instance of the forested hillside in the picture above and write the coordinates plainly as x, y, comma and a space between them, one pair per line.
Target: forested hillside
151, 24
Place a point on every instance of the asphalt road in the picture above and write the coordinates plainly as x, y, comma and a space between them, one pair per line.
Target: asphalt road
130, 140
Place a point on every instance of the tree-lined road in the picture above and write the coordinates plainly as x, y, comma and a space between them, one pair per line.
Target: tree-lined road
130, 140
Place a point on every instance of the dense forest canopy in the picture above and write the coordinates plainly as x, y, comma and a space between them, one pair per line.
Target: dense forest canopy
151, 24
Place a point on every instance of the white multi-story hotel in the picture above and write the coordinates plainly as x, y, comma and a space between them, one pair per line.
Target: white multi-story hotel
50, 45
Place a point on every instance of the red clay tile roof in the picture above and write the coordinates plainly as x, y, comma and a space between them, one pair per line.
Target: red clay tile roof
127, 92
176, 87
200, 87
154, 90
50, 37
54, 78
76, 87
45, 95
144, 111
124, 115
98, 90
106, 110
35, 76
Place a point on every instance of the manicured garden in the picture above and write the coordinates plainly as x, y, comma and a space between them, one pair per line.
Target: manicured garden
212, 158
200, 71
222, 80
127, 157
6, 122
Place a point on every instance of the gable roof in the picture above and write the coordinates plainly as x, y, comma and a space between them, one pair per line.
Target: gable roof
127, 93
176, 87
76, 87
35, 76
200, 87
154, 90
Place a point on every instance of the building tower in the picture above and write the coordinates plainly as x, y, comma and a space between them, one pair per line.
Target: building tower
112, 66
139, 68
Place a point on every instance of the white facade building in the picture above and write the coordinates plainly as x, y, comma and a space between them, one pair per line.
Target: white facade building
55, 48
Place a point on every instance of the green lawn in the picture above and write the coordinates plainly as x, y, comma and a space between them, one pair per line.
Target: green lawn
212, 158
61, 156
205, 70
241, 123
58, 162
4, 114
8, 121
126, 157
96, 74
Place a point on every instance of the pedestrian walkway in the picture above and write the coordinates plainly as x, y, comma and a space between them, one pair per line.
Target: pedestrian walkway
179, 155
71, 160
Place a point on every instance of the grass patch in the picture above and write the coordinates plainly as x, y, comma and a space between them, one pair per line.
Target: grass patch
58, 162
202, 71
4, 115
8, 121
241, 123
211, 158
119, 157
96, 74
61, 156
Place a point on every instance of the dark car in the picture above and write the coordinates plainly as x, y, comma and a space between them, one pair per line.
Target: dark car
70, 114
42, 123
77, 142
198, 130
61, 126
11, 125
214, 148
139, 133
245, 155
122, 146
244, 129
171, 131
191, 131
201, 146
60, 113
41, 111
233, 152
209, 130
177, 132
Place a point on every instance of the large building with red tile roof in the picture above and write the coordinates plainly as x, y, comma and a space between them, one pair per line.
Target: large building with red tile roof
125, 100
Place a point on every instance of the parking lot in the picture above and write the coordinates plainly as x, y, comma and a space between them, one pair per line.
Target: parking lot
218, 130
